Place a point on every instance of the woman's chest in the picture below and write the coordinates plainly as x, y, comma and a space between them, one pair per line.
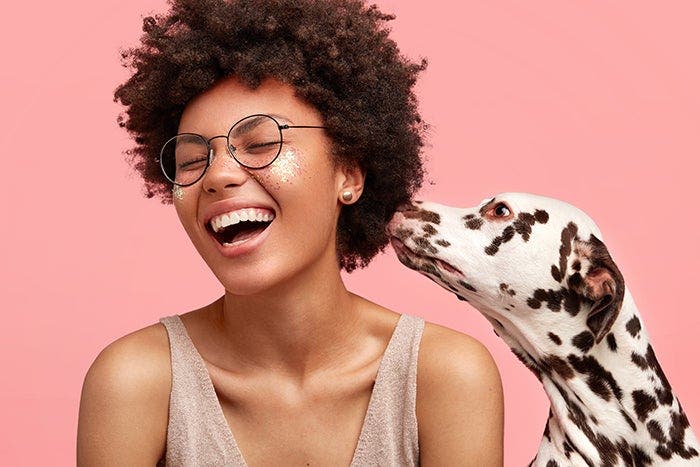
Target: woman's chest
275, 423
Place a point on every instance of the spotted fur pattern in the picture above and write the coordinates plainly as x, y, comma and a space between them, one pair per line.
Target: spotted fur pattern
538, 270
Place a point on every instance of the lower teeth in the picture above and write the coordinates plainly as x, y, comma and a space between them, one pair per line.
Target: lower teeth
236, 242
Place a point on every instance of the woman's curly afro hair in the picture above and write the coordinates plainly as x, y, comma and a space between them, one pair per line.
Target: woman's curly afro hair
338, 56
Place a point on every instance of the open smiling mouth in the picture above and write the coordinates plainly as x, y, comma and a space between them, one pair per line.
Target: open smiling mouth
239, 232
402, 249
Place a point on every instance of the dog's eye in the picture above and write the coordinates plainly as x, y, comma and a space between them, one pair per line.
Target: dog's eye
501, 210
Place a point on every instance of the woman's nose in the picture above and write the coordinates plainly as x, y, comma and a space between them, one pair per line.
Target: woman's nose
223, 171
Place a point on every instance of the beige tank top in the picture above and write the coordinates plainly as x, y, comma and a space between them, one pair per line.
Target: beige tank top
198, 433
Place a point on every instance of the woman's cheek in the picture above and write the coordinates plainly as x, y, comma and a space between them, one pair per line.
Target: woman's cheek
178, 193
286, 169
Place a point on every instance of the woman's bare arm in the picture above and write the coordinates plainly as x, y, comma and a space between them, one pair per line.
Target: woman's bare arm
124, 403
459, 402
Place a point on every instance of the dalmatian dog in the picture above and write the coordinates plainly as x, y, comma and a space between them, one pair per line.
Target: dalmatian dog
538, 270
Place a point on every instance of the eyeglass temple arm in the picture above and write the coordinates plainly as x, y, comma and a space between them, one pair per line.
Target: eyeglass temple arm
285, 126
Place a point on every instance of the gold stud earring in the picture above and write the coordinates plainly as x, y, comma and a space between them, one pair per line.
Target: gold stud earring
347, 195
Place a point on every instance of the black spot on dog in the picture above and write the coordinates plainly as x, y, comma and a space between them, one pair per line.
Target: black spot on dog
554, 299
599, 380
541, 216
531, 365
474, 223
505, 288
554, 338
679, 423
461, 298
575, 281
664, 394
558, 365
640, 457
567, 236
429, 229
640, 361
555, 273
430, 269
466, 285
663, 452
577, 416
632, 456
552, 463
572, 301
607, 450
576, 265
633, 326
654, 429
424, 246
584, 341
643, 403
567, 448
523, 225
423, 215
442, 242
612, 343
505, 236
628, 419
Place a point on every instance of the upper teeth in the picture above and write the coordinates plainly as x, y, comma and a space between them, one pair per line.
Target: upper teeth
234, 217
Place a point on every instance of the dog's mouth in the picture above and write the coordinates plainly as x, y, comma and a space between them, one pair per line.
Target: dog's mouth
408, 257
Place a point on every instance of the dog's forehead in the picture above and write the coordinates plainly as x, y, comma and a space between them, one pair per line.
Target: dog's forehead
555, 208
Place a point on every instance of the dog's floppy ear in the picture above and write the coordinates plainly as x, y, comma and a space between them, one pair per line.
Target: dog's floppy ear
603, 284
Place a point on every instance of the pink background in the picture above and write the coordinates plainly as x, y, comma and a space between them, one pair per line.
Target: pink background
598, 105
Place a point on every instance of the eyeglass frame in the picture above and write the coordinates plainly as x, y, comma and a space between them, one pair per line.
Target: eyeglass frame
210, 149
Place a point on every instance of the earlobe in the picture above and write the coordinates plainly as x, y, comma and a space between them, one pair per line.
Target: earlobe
351, 181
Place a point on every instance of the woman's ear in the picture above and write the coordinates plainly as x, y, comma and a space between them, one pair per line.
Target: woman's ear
351, 178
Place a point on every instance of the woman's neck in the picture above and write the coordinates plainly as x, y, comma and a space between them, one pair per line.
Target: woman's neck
299, 327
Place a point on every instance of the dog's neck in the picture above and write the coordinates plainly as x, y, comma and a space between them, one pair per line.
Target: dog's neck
619, 380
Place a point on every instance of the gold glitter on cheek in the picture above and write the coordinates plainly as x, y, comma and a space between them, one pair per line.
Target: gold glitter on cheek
285, 166
178, 193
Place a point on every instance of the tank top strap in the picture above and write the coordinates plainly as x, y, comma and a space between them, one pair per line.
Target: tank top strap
390, 430
195, 431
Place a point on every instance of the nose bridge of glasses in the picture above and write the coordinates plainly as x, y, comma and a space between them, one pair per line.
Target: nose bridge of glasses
225, 150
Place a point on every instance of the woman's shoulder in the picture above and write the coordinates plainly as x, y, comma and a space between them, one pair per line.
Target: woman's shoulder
136, 365
449, 359
443, 348
125, 397
143, 353
458, 397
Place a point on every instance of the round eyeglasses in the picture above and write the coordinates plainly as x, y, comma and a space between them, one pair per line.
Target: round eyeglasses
254, 141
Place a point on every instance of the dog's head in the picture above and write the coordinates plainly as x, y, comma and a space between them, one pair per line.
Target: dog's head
531, 264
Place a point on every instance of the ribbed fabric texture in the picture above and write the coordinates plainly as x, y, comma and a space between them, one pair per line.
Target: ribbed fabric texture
199, 435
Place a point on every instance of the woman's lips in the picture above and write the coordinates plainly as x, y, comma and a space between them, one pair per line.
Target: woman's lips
242, 247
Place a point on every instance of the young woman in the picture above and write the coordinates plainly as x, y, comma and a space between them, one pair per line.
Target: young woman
285, 134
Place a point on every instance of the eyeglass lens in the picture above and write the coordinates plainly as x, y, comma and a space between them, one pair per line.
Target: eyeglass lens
254, 141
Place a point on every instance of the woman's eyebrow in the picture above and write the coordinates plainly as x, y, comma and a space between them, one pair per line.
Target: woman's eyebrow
248, 127
281, 117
